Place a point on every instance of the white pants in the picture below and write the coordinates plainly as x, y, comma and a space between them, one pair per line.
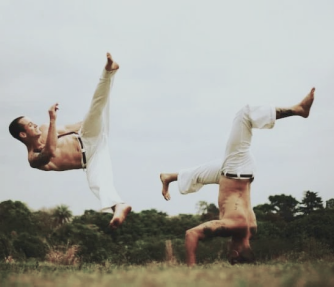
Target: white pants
95, 133
238, 157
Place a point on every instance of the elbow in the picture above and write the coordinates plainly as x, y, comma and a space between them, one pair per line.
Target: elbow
191, 236
52, 153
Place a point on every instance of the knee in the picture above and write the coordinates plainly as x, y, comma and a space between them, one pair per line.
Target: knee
244, 110
243, 114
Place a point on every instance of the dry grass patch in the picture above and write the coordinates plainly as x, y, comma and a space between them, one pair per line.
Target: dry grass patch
68, 257
162, 274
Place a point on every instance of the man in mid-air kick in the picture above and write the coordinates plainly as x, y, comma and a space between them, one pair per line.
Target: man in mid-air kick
234, 175
81, 145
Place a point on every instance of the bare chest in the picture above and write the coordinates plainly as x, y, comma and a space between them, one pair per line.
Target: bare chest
66, 144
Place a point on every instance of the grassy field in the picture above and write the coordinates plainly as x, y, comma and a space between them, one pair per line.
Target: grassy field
315, 273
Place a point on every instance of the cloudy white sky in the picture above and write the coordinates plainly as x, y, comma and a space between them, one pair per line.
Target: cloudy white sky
186, 67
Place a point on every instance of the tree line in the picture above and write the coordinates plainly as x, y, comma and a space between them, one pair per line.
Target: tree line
286, 227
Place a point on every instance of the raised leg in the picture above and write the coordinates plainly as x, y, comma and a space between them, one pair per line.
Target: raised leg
121, 210
302, 109
94, 122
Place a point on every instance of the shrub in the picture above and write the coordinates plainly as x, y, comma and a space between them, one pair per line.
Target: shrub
30, 245
5, 246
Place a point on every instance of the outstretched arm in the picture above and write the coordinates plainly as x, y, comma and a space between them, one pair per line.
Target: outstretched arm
40, 159
205, 230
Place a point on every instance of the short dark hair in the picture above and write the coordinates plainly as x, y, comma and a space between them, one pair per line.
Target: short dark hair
15, 128
245, 256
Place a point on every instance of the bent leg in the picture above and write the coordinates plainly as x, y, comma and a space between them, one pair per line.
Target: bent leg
192, 179
238, 158
237, 154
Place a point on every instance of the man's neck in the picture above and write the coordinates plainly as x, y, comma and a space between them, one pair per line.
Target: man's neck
35, 144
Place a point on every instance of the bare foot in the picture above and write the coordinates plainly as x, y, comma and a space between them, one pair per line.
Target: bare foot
111, 65
304, 107
121, 211
166, 178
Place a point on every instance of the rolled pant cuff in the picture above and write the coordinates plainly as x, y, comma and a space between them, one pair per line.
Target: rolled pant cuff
108, 74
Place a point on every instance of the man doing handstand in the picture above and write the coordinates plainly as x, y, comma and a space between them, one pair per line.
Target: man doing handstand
81, 145
234, 175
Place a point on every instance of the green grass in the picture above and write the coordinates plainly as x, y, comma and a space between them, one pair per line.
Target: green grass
312, 273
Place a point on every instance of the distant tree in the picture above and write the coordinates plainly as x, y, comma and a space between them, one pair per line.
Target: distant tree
266, 212
208, 211
284, 205
5, 246
201, 207
30, 245
264, 208
310, 203
43, 221
93, 245
212, 213
318, 225
330, 204
182, 222
61, 214
15, 216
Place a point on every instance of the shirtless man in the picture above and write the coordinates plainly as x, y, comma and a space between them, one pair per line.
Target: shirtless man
234, 175
81, 145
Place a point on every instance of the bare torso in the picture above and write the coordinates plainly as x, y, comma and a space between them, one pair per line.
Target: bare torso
234, 202
68, 153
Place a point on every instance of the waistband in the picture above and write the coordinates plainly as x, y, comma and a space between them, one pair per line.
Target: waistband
239, 176
83, 151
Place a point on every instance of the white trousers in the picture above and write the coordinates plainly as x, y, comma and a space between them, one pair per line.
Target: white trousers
94, 134
238, 157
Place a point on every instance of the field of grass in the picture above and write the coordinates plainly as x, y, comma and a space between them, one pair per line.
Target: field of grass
313, 273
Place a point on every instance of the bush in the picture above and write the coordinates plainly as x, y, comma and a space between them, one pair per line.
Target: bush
271, 248
5, 247
30, 245
146, 251
93, 244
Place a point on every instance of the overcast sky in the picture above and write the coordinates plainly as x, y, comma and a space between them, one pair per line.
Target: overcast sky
186, 67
